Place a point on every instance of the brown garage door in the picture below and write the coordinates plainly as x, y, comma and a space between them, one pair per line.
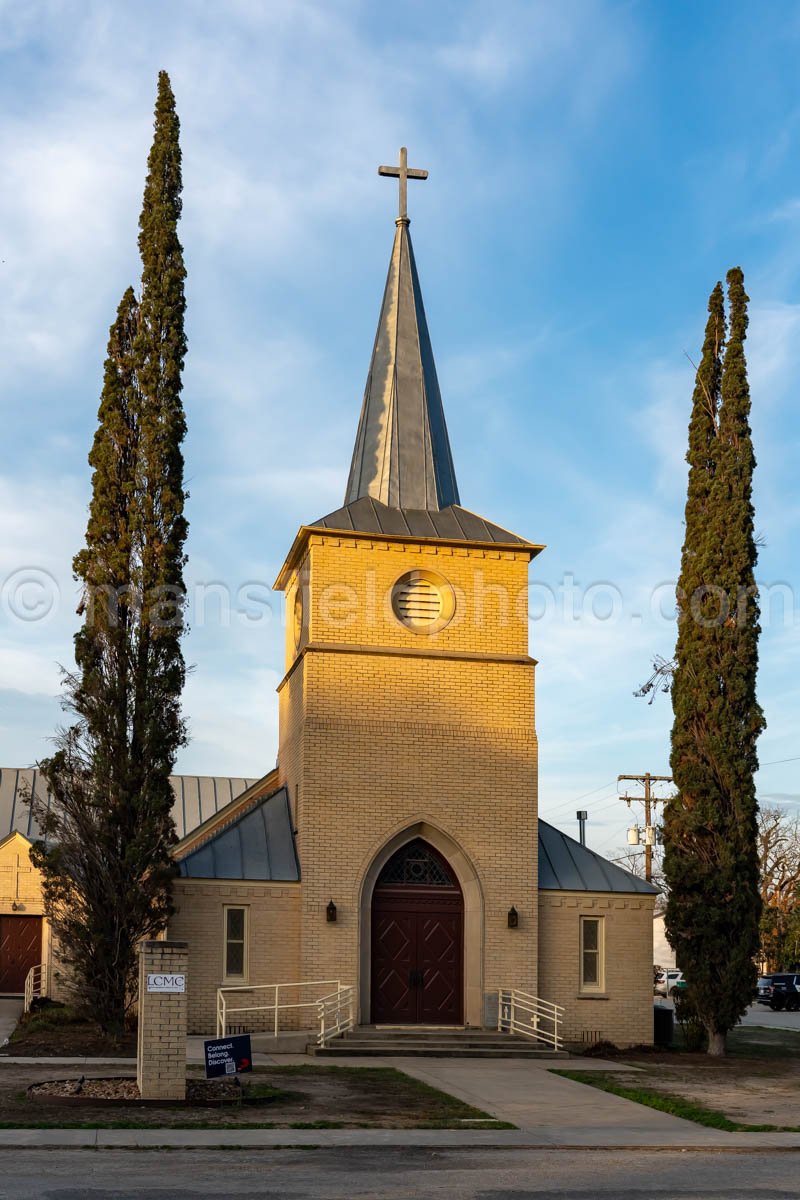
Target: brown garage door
20, 949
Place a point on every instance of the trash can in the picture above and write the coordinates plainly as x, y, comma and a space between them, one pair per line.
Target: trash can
663, 1024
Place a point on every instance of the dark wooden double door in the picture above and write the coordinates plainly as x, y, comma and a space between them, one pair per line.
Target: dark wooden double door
20, 949
417, 956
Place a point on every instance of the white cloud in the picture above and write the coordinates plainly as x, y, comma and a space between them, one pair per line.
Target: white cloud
493, 45
286, 109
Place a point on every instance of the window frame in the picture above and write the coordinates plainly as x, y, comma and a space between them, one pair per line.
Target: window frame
598, 988
244, 942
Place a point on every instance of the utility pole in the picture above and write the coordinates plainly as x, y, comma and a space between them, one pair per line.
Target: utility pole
649, 800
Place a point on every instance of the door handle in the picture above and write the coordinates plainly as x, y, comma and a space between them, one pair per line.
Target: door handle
415, 979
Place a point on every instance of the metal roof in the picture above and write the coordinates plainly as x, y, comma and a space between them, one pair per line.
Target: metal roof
567, 866
402, 453
257, 845
197, 797
260, 843
452, 523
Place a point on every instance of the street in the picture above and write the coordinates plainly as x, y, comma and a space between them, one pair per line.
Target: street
761, 1014
397, 1174
757, 1014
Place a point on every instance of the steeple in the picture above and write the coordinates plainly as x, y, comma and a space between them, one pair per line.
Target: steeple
402, 453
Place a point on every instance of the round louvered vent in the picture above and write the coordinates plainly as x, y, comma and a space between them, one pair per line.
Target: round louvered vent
417, 602
423, 601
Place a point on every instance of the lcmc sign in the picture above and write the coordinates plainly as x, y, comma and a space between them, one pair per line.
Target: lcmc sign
166, 983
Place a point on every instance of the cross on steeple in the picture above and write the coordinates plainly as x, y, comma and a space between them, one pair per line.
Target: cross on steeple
403, 173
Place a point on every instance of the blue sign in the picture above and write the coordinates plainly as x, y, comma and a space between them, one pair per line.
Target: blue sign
228, 1056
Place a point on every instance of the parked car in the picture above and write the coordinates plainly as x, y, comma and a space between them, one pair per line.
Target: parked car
669, 982
779, 991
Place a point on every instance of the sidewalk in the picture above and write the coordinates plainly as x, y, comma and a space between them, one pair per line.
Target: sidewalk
10, 1013
548, 1111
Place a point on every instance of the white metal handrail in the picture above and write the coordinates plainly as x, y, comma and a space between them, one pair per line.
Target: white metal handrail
273, 1004
35, 985
337, 1014
519, 1012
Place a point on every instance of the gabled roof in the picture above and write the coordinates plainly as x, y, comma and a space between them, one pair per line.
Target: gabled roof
16, 836
567, 866
402, 453
197, 797
255, 791
259, 844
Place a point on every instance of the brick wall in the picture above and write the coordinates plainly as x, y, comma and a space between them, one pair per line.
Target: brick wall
20, 882
623, 1012
161, 1047
381, 727
273, 938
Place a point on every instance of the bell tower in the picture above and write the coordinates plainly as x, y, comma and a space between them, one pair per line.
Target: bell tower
407, 707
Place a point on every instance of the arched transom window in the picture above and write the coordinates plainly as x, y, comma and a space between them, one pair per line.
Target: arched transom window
416, 863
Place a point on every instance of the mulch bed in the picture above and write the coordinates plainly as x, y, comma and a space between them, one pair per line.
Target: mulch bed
126, 1091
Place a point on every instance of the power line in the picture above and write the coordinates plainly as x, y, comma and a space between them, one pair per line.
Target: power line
568, 803
602, 788
555, 816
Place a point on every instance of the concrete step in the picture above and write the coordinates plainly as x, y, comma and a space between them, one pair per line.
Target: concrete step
432, 1041
374, 1049
470, 1043
437, 1033
426, 1042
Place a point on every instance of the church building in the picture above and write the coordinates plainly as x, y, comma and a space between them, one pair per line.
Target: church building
396, 846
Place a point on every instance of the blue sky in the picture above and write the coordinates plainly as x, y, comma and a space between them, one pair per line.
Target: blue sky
594, 169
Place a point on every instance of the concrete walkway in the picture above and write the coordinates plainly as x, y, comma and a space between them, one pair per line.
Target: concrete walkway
548, 1111
10, 1013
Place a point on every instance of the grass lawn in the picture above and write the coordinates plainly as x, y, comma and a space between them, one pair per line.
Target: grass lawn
755, 1088
304, 1096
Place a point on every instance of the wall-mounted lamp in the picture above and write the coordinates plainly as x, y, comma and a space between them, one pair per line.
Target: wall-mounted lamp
330, 912
513, 918
15, 906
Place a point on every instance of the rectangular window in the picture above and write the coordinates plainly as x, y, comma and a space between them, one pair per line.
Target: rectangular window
592, 965
235, 943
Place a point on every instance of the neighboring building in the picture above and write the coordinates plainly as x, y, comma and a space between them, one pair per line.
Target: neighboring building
663, 954
404, 802
24, 932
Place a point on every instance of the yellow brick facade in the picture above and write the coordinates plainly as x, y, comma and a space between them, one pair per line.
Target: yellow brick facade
20, 882
272, 950
622, 1010
162, 1028
386, 732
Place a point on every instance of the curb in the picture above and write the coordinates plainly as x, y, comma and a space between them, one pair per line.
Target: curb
270, 1139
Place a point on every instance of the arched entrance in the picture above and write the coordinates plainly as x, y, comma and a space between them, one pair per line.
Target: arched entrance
417, 943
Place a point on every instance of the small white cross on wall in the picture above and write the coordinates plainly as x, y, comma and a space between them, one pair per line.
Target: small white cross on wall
403, 173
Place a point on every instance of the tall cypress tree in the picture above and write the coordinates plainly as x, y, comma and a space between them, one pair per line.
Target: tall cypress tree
711, 858
108, 832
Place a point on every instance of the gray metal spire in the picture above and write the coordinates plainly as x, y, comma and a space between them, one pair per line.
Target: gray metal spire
402, 454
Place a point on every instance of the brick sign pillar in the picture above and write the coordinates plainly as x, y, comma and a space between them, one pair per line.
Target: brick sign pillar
161, 1048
